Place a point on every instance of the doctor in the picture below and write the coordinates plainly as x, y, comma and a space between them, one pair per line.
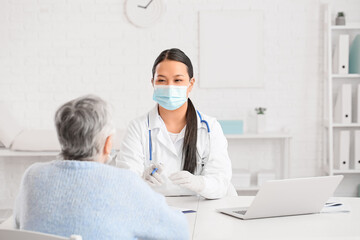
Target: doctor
177, 149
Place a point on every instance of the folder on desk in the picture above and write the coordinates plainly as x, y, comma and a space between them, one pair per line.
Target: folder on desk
341, 55
342, 150
342, 112
357, 150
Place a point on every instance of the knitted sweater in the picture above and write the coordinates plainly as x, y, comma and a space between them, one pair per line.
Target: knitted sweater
95, 201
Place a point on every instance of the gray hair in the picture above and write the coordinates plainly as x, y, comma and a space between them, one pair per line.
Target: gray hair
82, 126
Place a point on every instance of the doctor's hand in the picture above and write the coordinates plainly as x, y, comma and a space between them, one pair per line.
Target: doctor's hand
153, 178
188, 180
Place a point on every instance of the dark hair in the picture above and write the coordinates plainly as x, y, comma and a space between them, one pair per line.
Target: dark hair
190, 139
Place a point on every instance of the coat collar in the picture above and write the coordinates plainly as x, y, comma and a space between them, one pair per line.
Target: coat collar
155, 121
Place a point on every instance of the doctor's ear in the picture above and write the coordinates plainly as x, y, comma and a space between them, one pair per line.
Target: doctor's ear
192, 82
152, 81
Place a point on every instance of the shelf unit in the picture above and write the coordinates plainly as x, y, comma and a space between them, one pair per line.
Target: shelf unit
269, 135
339, 76
331, 82
9, 153
340, 125
349, 26
346, 171
286, 147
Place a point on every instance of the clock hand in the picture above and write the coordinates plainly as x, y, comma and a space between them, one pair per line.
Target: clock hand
145, 6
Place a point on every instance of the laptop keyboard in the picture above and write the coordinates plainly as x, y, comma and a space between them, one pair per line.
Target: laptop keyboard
242, 212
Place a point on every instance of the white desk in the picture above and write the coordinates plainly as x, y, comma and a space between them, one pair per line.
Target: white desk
207, 223
191, 202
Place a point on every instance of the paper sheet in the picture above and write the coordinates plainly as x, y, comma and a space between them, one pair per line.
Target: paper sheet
335, 207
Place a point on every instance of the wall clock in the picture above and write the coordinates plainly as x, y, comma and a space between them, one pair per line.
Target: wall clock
144, 13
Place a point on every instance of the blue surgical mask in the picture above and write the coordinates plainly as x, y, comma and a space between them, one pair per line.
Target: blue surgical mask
170, 97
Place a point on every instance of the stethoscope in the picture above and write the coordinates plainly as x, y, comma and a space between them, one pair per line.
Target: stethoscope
150, 142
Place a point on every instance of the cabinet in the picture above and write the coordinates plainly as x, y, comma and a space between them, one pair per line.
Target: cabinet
281, 170
332, 84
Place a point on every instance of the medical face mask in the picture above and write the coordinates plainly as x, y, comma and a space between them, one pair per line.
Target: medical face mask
170, 97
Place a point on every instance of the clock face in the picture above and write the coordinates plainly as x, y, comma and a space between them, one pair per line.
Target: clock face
144, 13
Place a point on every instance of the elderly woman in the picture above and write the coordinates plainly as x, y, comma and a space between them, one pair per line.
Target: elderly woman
81, 195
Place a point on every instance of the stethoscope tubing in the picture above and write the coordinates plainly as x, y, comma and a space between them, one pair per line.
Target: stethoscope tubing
150, 141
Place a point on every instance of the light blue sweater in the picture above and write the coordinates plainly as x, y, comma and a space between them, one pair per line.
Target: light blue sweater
95, 201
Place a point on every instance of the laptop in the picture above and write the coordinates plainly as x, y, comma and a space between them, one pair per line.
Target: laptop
288, 197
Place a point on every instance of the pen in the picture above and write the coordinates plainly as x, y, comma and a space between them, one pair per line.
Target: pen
153, 171
188, 211
332, 204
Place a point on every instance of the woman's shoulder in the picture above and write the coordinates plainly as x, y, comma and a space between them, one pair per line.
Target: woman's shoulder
127, 178
91, 170
210, 119
40, 166
118, 173
37, 169
213, 123
140, 120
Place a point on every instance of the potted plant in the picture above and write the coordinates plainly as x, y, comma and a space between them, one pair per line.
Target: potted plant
340, 19
260, 119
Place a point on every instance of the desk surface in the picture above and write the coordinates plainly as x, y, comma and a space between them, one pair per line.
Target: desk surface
207, 223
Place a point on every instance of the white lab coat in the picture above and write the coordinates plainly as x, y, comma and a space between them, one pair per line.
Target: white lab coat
213, 162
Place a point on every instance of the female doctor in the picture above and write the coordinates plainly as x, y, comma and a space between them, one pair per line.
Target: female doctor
175, 148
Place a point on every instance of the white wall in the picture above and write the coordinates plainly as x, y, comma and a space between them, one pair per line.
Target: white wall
55, 50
